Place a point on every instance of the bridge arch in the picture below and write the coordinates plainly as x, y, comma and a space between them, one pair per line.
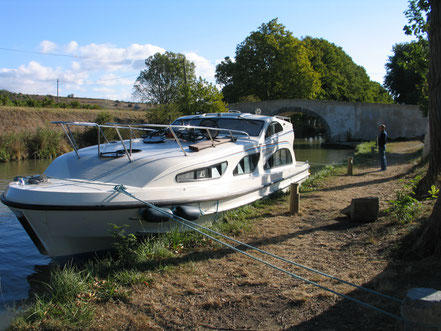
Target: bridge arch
288, 111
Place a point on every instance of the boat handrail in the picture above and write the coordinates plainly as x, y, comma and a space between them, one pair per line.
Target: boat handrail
141, 127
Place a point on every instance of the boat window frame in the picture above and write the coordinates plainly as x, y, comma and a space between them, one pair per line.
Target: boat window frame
277, 128
269, 164
253, 164
223, 166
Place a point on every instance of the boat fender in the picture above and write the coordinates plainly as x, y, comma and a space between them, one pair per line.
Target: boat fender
154, 216
191, 213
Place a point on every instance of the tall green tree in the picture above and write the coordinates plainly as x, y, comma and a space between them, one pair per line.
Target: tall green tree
270, 64
340, 78
406, 73
161, 82
200, 97
425, 17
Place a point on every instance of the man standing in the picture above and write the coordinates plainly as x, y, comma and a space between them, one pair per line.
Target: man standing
382, 138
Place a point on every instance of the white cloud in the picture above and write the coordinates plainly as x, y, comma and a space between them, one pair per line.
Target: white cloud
113, 80
110, 58
29, 78
91, 71
204, 68
47, 46
71, 47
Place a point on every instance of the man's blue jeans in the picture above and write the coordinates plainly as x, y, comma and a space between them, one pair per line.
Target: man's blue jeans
382, 152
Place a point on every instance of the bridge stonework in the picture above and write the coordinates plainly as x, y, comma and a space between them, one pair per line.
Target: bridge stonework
344, 121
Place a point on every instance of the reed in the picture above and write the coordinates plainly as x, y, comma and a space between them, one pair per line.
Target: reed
41, 144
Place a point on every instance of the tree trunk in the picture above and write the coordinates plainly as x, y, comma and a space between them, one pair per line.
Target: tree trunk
430, 238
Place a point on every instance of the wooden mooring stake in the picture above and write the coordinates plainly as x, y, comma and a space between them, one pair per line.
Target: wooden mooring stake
294, 198
350, 164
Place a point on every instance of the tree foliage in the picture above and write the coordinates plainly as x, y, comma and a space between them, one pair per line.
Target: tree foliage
170, 82
200, 97
406, 73
272, 64
164, 77
417, 15
340, 78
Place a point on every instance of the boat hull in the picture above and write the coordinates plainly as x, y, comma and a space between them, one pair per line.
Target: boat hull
60, 231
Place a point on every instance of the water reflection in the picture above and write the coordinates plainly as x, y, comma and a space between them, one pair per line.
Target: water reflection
19, 258
309, 149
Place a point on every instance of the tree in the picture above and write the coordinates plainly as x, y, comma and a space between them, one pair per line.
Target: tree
164, 77
340, 78
200, 97
429, 240
406, 73
270, 64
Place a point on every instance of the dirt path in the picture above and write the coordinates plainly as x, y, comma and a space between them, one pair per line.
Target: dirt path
223, 290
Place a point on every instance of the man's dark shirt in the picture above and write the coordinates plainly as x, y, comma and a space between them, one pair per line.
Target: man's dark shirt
382, 138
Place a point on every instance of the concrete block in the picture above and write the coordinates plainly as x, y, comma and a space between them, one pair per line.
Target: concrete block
422, 309
363, 209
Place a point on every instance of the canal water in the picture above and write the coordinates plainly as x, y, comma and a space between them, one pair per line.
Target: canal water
20, 261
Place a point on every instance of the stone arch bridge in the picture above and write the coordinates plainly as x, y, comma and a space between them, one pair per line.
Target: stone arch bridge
348, 120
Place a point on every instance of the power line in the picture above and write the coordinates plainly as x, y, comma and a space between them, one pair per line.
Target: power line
50, 80
60, 55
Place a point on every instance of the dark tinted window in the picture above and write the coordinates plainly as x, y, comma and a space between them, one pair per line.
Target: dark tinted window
247, 164
252, 127
273, 128
214, 171
279, 158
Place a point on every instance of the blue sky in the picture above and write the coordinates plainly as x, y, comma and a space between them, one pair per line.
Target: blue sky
96, 48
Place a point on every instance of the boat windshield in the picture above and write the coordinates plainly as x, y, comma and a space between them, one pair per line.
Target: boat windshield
252, 127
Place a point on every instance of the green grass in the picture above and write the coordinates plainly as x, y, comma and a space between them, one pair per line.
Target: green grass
63, 305
366, 148
314, 181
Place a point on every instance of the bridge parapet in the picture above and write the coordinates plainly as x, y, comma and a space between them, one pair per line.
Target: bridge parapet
348, 120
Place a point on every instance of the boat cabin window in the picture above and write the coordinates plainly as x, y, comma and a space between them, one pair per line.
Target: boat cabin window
214, 171
252, 127
247, 164
273, 128
279, 158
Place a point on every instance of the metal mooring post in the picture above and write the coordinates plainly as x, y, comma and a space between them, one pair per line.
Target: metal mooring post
422, 309
294, 198
350, 164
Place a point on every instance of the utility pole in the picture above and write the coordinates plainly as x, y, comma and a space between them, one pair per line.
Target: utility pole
57, 89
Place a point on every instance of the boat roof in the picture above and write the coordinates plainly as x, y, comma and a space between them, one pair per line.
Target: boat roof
235, 115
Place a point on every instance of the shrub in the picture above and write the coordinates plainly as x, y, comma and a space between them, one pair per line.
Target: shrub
44, 143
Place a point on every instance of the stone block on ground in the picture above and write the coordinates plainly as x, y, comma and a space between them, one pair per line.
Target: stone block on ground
422, 309
363, 209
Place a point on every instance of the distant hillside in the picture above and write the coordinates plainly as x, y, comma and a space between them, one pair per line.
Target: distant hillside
21, 119
109, 104
20, 98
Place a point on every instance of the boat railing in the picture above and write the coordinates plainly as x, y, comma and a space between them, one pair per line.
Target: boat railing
173, 129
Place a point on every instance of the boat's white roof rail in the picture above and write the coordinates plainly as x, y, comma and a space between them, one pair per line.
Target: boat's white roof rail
142, 127
285, 118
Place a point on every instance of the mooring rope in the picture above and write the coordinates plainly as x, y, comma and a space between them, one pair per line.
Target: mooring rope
195, 226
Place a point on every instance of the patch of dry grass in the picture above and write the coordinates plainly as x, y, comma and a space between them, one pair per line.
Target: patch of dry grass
26, 119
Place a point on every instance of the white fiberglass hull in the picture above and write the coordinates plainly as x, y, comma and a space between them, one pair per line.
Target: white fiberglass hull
60, 230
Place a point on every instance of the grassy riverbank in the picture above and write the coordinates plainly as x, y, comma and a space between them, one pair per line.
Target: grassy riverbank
28, 133
183, 280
